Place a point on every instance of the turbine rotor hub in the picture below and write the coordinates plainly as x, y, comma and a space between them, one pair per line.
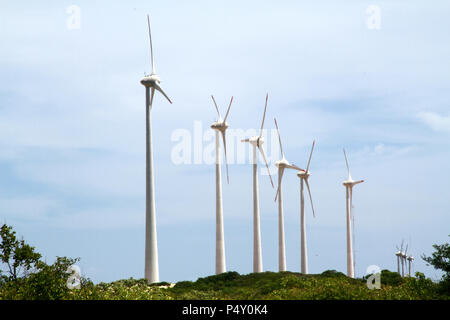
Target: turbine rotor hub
219, 125
304, 174
256, 141
149, 81
281, 163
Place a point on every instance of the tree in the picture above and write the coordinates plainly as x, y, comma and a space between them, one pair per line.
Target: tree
49, 283
18, 256
440, 259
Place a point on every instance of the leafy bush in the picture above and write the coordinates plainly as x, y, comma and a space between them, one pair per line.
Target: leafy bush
19, 257
391, 278
34, 279
440, 259
333, 274
27, 277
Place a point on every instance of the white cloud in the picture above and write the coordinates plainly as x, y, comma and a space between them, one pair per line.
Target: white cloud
435, 121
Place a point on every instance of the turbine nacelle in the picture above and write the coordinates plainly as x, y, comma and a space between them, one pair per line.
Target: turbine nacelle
149, 81
283, 163
220, 125
256, 141
351, 183
303, 174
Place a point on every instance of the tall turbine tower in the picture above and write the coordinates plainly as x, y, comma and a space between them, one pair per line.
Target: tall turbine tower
151, 83
257, 142
404, 256
399, 256
304, 175
220, 126
410, 260
349, 183
281, 164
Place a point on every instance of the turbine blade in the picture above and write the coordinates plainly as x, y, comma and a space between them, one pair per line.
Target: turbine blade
225, 151
279, 138
310, 198
293, 166
346, 162
228, 111
157, 87
151, 45
151, 97
280, 172
245, 140
215, 104
264, 116
310, 155
267, 166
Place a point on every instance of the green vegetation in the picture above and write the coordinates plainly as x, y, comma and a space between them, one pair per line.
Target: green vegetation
34, 279
440, 260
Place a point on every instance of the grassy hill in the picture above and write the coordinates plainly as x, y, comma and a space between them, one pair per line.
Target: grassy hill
268, 285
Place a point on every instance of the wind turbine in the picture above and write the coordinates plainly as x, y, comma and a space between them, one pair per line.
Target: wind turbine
404, 256
349, 184
257, 142
151, 83
281, 165
220, 126
410, 260
399, 257
304, 175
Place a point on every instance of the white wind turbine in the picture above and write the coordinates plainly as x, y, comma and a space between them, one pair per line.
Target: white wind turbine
281, 164
304, 175
410, 260
399, 257
151, 83
257, 142
220, 126
349, 183
404, 257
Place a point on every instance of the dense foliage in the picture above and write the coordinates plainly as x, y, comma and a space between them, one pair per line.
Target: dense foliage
19, 257
440, 260
267, 285
24, 276
38, 280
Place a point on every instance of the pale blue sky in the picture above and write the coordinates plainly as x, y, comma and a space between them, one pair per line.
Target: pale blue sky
72, 129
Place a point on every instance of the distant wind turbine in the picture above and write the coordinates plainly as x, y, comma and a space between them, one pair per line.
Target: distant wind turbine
151, 83
349, 184
257, 142
404, 257
220, 126
282, 165
410, 260
304, 175
399, 257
